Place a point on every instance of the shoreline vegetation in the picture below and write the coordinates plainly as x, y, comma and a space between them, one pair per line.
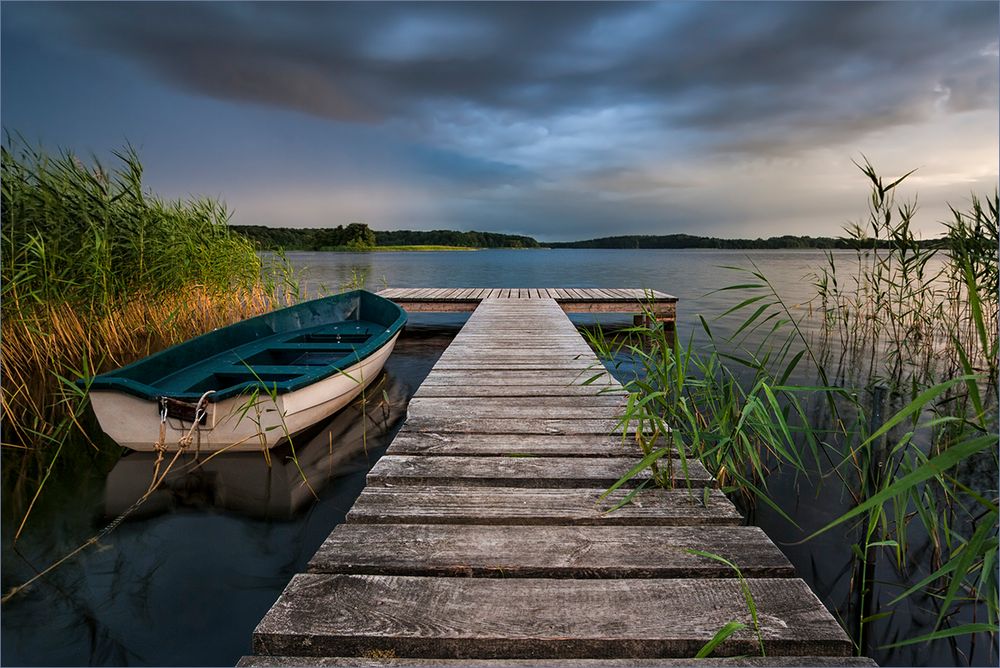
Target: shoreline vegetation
98, 272
396, 249
358, 237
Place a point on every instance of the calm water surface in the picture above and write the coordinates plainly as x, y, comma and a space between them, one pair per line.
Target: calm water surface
184, 580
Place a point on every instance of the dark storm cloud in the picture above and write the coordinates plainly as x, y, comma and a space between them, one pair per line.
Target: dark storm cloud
790, 73
560, 120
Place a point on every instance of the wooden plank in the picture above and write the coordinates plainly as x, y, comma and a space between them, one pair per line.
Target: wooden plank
513, 425
474, 403
542, 365
548, 552
441, 409
557, 351
489, 331
770, 661
468, 391
513, 377
419, 306
521, 376
430, 444
541, 618
660, 308
463, 349
521, 472
574, 506
508, 356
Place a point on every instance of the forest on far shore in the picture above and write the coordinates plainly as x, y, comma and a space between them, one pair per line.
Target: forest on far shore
358, 236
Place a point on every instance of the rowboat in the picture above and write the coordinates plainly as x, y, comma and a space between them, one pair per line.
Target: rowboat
248, 484
253, 384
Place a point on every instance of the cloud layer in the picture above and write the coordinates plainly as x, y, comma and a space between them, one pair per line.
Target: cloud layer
567, 119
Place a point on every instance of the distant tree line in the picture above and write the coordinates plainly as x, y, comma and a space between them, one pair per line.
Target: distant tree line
358, 236
690, 241
453, 238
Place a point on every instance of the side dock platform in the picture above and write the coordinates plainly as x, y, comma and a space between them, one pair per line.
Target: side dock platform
481, 539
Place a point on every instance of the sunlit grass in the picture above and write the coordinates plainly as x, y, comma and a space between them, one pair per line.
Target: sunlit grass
97, 272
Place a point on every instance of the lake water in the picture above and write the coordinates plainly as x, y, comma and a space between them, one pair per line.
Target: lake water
185, 580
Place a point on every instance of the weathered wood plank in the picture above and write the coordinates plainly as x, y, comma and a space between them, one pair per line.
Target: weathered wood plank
541, 618
543, 365
513, 425
574, 506
455, 390
551, 361
548, 552
498, 445
512, 409
423, 306
556, 349
563, 378
491, 336
591, 400
521, 472
770, 661
664, 309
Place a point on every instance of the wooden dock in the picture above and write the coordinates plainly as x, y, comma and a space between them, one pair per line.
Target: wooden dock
480, 540
570, 300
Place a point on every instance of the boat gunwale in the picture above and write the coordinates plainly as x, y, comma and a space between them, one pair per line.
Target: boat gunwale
113, 381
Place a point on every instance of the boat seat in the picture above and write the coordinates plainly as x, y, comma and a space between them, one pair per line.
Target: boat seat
274, 358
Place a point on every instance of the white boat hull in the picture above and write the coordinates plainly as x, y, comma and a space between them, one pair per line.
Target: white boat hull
239, 423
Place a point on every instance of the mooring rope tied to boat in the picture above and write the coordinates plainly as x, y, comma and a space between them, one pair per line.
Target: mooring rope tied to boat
157, 480
160, 446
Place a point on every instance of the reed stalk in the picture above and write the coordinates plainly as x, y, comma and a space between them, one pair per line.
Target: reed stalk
911, 325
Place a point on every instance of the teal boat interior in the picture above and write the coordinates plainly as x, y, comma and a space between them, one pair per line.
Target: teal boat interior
284, 351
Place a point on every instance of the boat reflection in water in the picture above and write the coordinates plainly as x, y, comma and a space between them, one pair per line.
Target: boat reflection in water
275, 486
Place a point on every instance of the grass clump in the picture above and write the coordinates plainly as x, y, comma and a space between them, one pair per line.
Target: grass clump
900, 414
98, 272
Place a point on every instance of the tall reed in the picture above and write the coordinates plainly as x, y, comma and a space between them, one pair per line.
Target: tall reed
97, 272
902, 404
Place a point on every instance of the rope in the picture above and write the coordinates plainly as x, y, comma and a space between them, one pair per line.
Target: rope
158, 478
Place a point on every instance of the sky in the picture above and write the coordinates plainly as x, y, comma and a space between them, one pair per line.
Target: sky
561, 121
